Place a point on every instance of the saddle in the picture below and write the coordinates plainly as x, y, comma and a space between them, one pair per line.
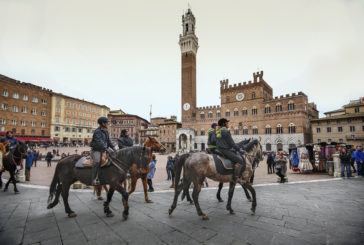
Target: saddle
88, 162
223, 165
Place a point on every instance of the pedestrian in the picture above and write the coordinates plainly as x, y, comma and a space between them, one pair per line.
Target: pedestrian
345, 163
352, 160
168, 168
359, 159
281, 166
35, 157
270, 161
151, 173
48, 158
274, 163
28, 164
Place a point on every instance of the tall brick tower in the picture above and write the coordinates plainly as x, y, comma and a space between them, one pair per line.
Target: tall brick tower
189, 45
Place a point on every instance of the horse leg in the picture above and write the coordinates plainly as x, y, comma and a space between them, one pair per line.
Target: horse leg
177, 191
133, 185
107, 210
252, 190
145, 187
125, 196
246, 192
186, 193
65, 192
7, 184
195, 194
12, 178
219, 192
56, 199
231, 193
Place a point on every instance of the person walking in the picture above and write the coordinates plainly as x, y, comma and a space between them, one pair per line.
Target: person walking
28, 164
168, 168
35, 157
281, 167
270, 161
359, 159
352, 160
151, 173
48, 158
345, 163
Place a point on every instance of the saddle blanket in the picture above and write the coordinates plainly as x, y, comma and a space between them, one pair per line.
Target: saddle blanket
223, 165
85, 162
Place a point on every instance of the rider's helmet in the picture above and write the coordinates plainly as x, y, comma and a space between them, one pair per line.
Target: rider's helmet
102, 120
123, 132
222, 122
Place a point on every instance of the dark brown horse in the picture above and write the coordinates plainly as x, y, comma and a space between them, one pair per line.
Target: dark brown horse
135, 174
66, 174
198, 166
11, 161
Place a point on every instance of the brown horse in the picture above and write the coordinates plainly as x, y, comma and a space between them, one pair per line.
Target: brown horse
198, 166
135, 174
122, 160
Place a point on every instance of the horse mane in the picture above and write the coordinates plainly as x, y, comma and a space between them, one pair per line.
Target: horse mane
251, 144
133, 155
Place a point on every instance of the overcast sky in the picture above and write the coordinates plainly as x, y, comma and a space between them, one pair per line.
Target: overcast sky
125, 54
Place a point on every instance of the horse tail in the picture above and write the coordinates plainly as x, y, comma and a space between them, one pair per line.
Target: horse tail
55, 182
179, 165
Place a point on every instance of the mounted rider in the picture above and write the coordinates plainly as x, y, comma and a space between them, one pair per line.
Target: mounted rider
211, 140
99, 146
12, 141
226, 145
124, 140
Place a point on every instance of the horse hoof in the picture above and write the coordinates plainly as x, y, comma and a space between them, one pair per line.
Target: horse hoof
170, 211
253, 211
205, 217
72, 215
125, 216
220, 200
232, 211
49, 206
192, 203
5, 189
109, 215
148, 201
100, 198
16, 192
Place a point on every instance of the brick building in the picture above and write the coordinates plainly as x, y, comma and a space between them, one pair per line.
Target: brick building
281, 122
167, 132
74, 120
345, 125
25, 109
133, 123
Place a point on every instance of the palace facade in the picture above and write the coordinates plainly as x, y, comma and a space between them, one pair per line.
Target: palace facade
281, 122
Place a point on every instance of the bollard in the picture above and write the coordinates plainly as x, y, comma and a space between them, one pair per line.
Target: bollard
337, 165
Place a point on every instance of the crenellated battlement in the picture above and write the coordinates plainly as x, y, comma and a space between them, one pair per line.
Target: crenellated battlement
226, 87
288, 96
23, 84
208, 107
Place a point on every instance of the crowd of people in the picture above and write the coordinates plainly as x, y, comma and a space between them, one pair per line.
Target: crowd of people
348, 158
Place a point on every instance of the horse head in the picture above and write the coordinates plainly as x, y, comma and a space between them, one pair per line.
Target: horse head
154, 144
255, 148
3, 146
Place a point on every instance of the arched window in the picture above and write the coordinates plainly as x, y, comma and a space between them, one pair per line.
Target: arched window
267, 109
278, 107
290, 105
279, 129
291, 128
227, 113
202, 131
255, 130
268, 129
210, 114
244, 112
236, 112
218, 114
202, 115
245, 130
254, 110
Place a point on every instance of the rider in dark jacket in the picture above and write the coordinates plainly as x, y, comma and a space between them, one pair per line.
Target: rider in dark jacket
99, 144
12, 141
226, 145
124, 140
